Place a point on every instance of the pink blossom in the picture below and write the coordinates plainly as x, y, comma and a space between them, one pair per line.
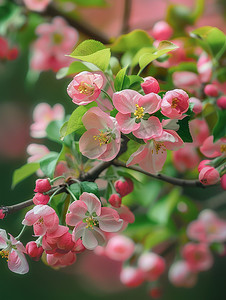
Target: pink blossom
125, 214
13, 53
150, 85
152, 156
2, 215
43, 114
162, 31
186, 158
85, 87
208, 228
61, 260
199, 131
211, 90
175, 103
13, 251
209, 175
213, 149
37, 5
134, 113
120, 248
152, 265
197, 108
102, 139
91, 220
34, 251
197, 256
181, 275
131, 276
186, 80
39, 198
204, 66
223, 182
42, 185
36, 152
43, 218
54, 42
115, 200
221, 102
124, 187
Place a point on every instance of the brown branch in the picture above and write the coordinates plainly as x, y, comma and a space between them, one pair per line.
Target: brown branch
172, 180
126, 16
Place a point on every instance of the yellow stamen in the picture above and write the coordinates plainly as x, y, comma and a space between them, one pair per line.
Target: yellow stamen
223, 148
159, 146
85, 88
91, 222
175, 102
57, 38
5, 254
103, 137
139, 112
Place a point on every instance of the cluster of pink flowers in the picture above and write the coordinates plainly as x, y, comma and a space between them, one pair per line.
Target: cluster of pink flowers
37, 5
207, 229
54, 42
136, 115
7, 53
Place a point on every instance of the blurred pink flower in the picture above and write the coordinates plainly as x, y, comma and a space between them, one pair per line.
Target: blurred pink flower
162, 31
43, 114
13, 251
213, 149
181, 275
204, 66
37, 5
119, 248
185, 158
152, 265
36, 152
131, 276
54, 42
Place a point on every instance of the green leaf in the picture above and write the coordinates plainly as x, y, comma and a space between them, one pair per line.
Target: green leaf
53, 130
74, 68
24, 172
184, 131
184, 66
119, 79
89, 3
74, 124
93, 52
132, 147
211, 39
157, 236
163, 48
48, 164
59, 203
179, 16
219, 129
132, 41
89, 187
75, 189
132, 137
163, 209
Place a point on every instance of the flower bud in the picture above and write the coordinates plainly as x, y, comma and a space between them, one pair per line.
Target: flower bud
203, 164
13, 53
150, 85
223, 182
131, 277
115, 200
40, 199
152, 265
155, 293
34, 251
65, 243
119, 248
181, 275
124, 187
221, 102
42, 185
2, 215
197, 108
211, 90
162, 31
209, 175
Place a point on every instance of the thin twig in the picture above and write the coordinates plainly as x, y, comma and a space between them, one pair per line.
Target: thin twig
126, 16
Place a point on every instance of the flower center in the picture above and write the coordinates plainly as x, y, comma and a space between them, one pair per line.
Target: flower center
5, 254
86, 89
159, 146
175, 102
57, 38
103, 138
40, 221
90, 222
223, 148
139, 112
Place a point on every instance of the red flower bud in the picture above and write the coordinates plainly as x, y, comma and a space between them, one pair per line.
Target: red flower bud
155, 293
13, 53
150, 85
209, 175
221, 102
42, 186
2, 215
33, 250
115, 200
124, 187
223, 182
211, 90
203, 164
40, 199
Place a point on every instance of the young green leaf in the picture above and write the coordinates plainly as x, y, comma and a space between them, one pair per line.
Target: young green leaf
24, 172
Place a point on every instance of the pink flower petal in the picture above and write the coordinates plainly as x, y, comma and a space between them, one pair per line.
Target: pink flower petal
150, 128
125, 101
17, 262
92, 202
150, 102
109, 220
126, 123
